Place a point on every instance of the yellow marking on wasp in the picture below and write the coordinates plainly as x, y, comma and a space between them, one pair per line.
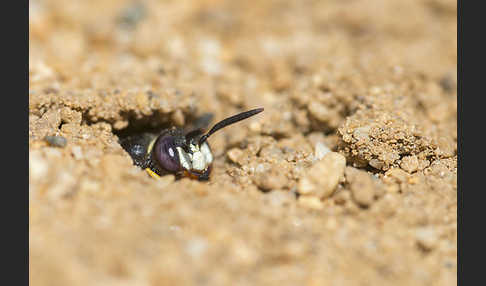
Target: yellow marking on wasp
151, 145
152, 173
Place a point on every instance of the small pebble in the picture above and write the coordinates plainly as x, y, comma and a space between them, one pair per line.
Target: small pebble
426, 238
120, 124
243, 254
271, 152
77, 152
311, 202
279, 198
260, 168
87, 186
52, 153
341, 197
422, 164
362, 133
71, 116
409, 164
256, 126
132, 14
323, 177
235, 155
38, 166
447, 148
56, 141
270, 180
178, 118
398, 175
65, 181
447, 83
387, 205
320, 150
196, 247
319, 111
377, 164
53, 118
362, 185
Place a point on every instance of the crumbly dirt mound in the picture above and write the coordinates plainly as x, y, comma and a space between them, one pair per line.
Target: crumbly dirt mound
388, 130
349, 176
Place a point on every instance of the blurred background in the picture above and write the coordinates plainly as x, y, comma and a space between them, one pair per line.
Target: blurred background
256, 46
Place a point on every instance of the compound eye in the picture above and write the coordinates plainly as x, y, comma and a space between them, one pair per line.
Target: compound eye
166, 154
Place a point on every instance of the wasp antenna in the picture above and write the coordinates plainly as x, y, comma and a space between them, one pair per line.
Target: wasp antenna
228, 121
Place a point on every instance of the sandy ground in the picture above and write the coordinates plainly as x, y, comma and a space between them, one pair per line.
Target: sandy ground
347, 178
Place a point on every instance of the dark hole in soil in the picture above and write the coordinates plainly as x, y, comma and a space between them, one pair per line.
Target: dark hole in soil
157, 122
154, 123
141, 131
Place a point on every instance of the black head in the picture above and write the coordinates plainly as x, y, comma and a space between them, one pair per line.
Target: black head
189, 154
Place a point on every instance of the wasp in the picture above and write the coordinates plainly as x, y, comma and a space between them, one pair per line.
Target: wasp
174, 151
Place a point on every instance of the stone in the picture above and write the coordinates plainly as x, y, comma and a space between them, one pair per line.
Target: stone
409, 164
56, 141
77, 152
426, 238
323, 177
235, 155
363, 186
270, 180
320, 150
310, 202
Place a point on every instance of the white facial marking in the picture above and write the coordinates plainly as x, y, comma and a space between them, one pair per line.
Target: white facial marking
194, 148
207, 153
184, 159
171, 152
199, 161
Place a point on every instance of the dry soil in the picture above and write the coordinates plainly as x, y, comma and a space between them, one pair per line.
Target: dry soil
349, 176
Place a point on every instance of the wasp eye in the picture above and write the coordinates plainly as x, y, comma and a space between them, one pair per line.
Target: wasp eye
166, 154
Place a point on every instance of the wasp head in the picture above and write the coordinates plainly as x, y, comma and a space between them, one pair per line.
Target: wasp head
189, 154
